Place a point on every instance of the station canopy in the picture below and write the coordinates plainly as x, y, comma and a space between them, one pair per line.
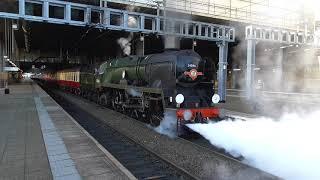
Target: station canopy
287, 14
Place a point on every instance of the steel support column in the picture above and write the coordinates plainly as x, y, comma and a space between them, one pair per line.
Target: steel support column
222, 72
106, 17
1, 59
251, 62
67, 12
45, 10
139, 46
279, 70
22, 10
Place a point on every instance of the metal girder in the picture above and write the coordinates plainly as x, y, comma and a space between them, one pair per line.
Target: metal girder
125, 20
261, 33
115, 19
251, 63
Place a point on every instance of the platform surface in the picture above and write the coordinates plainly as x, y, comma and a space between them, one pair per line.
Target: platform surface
39, 140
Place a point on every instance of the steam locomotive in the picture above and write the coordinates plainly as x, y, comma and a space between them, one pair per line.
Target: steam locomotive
144, 87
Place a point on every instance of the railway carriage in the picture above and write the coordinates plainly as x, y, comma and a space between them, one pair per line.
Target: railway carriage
69, 80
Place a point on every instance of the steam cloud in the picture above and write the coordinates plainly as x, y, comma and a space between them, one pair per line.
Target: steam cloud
168, 124
288, 147
125, 45
134, 92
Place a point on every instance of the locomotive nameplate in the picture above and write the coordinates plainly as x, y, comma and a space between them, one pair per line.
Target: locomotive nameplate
192, 65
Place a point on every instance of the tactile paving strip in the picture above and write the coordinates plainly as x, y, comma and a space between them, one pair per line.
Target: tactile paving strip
62, 166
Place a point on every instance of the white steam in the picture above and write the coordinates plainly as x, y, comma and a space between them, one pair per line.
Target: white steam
132, 22
288, 147
125, 44
134, 92
168, 124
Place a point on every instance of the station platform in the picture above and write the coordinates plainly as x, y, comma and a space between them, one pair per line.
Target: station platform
39, 140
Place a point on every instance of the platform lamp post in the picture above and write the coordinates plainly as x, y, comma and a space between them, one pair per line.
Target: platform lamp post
4, 76
194, 44
142, 42
1, 62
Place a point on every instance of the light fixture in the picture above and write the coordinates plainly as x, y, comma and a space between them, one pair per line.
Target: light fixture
215, 98
15, 26
179, 98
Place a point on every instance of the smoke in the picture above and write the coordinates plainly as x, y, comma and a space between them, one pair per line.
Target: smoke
125, 44
287, 147
168, 124
279, 68
134, 92
285, 68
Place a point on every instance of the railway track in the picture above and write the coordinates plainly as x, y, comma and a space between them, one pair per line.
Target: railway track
157, 157
141, 162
